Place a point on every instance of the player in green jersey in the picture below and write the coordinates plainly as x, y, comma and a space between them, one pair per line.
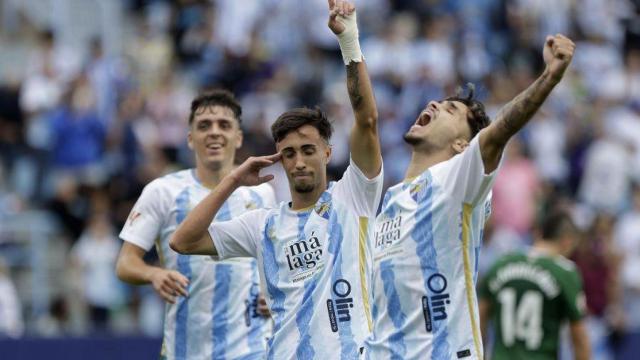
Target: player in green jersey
528, 296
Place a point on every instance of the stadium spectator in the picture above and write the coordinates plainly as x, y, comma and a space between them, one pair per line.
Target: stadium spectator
11, 322
94, 257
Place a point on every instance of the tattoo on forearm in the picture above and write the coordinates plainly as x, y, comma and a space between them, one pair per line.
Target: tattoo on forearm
513, 116
353, 85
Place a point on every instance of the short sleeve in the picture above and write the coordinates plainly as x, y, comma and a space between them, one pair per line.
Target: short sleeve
146, 218
238, 237
464, 177
573, 297
362, 193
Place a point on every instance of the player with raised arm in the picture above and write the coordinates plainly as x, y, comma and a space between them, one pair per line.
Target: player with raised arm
313, 252
213, 307
428, 234
529, 296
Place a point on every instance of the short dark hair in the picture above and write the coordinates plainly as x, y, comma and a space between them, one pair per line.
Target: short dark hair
216, 97
556, 223
296, 118
477, 117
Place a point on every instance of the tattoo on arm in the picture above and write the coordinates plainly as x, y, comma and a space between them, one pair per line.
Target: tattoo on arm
513, 116
353, 85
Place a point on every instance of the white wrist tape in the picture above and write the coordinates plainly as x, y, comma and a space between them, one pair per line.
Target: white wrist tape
348, 39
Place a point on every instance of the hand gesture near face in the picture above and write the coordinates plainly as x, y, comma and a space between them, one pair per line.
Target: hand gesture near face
248, 173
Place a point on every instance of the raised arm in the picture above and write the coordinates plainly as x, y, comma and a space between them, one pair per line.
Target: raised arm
557, 54
364, 142
192, 236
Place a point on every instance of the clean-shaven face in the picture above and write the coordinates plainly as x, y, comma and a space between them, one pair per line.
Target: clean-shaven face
439, 124
305, 155
215, 136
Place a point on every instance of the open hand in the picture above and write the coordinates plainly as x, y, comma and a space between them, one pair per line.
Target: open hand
339, 8
248, 173
557, 54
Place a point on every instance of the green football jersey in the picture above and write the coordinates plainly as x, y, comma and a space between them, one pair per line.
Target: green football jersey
531, 296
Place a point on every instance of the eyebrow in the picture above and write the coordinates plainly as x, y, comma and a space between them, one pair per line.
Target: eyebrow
303, 147
453, 104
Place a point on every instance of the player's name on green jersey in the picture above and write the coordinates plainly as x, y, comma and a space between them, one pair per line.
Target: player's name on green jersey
528, 272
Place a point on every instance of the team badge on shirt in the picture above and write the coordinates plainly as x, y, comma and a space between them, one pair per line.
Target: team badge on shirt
323, 207
417, 189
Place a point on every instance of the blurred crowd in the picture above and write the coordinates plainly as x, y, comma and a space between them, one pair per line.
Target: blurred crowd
84, 128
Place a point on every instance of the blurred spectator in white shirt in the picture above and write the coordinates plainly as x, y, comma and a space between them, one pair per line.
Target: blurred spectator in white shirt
95, 256
11, 323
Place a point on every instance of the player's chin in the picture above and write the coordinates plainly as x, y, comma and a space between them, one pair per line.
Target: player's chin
412, 138
214, 162
303, 187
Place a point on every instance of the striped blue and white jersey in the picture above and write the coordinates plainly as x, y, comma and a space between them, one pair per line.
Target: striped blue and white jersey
218, 320
316, 266
426, 247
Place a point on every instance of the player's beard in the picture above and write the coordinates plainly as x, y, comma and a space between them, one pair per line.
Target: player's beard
304, 188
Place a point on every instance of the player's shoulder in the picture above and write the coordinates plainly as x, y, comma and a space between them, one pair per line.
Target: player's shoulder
562, 269
262, 195
263, 190
174, 179
168, 185
565, 263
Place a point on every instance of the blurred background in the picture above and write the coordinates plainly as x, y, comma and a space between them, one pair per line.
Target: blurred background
95, 94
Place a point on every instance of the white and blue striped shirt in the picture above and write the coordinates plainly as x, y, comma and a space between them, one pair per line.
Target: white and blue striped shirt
316, 265
426, 248
218, 319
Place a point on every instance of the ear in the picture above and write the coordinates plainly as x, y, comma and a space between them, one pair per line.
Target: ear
189, 140
328, 152
240, 138
459, 145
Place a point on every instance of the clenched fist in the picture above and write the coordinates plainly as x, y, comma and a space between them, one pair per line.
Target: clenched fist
339, 12
558, 52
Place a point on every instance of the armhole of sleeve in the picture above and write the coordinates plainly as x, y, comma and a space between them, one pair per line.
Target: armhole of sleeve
486, 180
216, 242
357, 172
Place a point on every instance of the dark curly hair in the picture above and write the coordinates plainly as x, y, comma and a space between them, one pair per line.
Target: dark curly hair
476, 117
296, 118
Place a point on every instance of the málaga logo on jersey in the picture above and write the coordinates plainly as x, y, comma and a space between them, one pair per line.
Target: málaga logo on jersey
434, 307
388, 233
303, 256
340, 309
